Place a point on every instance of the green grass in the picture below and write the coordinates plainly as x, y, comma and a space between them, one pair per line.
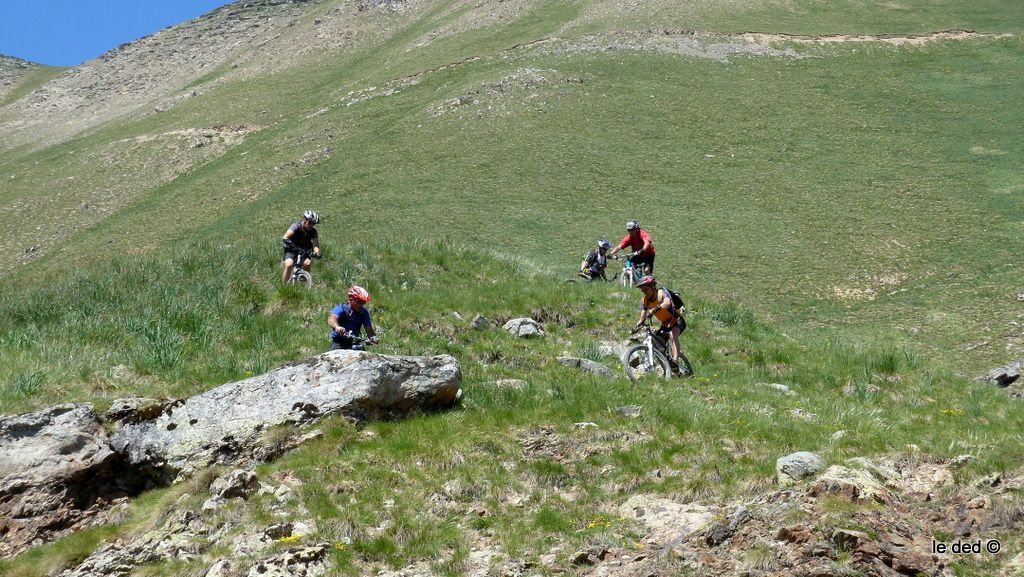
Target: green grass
844, 223
395, 493
729, 184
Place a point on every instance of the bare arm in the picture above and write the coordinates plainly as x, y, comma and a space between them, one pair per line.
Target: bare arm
332, 321
666, 302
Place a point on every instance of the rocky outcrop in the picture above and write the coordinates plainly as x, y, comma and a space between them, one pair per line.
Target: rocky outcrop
58, 473
227, 424
669, 523
853, 484
59, 470
181, 536
308, 561
12, 72
150, 70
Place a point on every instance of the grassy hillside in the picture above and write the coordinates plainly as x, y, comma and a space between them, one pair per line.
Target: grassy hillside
171, 326
863, 188
843, 217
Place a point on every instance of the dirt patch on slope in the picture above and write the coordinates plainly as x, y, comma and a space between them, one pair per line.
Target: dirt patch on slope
692, 44
523, 90
894, 39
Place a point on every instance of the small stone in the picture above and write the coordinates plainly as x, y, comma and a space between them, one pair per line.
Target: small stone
803, 415
590, 556
794, 534
960, 460
480, 322
278, 531
238, 483
524, 327
213, 504
1003, 376
632, 411
794, 467
781, 388
511, 384
585, 425
587, 365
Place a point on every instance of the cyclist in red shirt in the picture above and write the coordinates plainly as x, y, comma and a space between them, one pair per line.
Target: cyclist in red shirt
643, 249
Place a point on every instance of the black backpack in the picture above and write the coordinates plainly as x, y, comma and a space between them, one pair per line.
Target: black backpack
677, 301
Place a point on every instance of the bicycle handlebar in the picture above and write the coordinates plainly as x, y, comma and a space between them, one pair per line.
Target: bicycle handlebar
299, 251
357, 339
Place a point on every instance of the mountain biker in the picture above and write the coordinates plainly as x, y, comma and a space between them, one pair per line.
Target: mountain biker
595, 261
303, 235
643, 249
347, 319
658, 303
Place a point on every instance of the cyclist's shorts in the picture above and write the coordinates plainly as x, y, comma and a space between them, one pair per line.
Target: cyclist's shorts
291, 255
639, 261
681, 323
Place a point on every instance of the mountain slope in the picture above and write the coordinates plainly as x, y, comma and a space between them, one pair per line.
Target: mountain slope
541, 461
835, 187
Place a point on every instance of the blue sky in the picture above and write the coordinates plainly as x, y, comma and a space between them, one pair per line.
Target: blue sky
69, 32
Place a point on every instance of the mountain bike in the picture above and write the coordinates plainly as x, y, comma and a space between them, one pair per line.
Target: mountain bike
585, 275
630, 275
653, 355
359, 343
301, 276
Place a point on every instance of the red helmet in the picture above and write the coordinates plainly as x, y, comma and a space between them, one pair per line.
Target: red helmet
359, 293
646, 281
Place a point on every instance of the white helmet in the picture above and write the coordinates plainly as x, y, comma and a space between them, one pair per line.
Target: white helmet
311, 216
632, 225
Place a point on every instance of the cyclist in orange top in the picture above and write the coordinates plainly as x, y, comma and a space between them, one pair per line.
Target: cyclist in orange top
658, 303
643, 248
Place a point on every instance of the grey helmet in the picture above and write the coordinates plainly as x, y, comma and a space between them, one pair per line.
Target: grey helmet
311, 216
632, 225
604, 244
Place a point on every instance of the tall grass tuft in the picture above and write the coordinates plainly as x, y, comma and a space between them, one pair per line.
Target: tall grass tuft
25, 384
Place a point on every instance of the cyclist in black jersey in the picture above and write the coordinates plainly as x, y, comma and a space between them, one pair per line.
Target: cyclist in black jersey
303, 235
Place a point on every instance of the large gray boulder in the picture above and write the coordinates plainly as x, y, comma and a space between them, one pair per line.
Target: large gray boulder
226, 424
57, 473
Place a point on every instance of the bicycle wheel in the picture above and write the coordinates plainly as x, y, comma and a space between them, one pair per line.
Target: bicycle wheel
301, 277
684, 366
626, 278
639, 363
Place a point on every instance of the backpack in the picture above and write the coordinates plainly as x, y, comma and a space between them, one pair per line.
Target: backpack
677, 301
